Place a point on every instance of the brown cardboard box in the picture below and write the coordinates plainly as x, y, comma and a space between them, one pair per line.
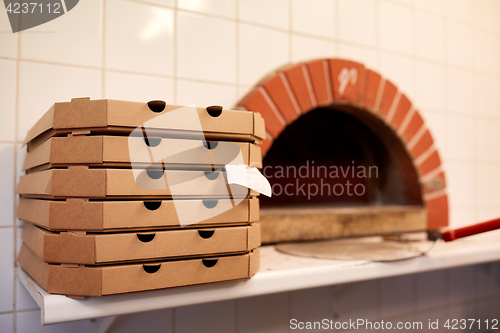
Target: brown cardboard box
113, 151
93, 249
83, 116
84, 182
78, 280
99, 216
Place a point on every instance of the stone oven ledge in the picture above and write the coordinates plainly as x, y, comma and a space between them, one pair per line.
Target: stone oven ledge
279, 273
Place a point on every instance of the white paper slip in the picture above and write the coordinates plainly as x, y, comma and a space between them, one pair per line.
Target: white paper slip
248, 176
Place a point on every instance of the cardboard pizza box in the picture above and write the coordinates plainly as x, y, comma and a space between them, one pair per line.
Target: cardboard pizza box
110, 215
98, 183
96, 249
120, 151
85, 116
80, 280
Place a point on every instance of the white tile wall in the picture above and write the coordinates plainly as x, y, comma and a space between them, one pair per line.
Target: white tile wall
7, 184
397, 296
488, 213
357, 21
356, 300
396, 27
24, 301
430, 85
430, 290
65, 83
271, 13
205, 94
488, 99
128, 87
29, 322
487, 51
226, 8
460, 284
167, 3
7, 99
429, 36
307, 48
152, 321
312, 304
264, 314
463, 216
434, 6
488, 185
443, 53
487, 281
206, 48
460, 44
7, 323
74, 38
462, 144
462, 182
260, 52
8, 40
367, 56
462, 10
7, 271
219, 317
318, 20
461, 96
400, 70
139, 38
488, 136
486, 15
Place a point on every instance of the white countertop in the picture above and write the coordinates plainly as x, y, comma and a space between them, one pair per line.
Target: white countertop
279, 272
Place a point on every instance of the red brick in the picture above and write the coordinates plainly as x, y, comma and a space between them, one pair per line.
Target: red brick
416, 122
319, 76
347, 80
266, 145
256, 101
401, 111
281, 96
372, 86
440, 177
422, 145
432, 162
388, 96
437, 212
298, 83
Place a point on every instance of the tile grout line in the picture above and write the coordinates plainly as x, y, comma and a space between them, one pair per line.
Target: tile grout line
446, 84
176, 31
16, 125
475, 135
414, 59
237, 51
337, 28
236, 315
289, 306
377, 35
174, 322
419, 9
471, 70
290, 31
103, 46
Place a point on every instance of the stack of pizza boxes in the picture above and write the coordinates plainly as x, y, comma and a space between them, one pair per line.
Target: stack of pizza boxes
120, 197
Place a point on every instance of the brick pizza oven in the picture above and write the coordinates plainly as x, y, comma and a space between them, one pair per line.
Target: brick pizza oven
336, 113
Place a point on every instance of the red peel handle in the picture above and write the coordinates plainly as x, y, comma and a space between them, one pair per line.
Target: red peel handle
451, 235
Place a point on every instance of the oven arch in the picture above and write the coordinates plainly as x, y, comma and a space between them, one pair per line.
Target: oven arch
289, 92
